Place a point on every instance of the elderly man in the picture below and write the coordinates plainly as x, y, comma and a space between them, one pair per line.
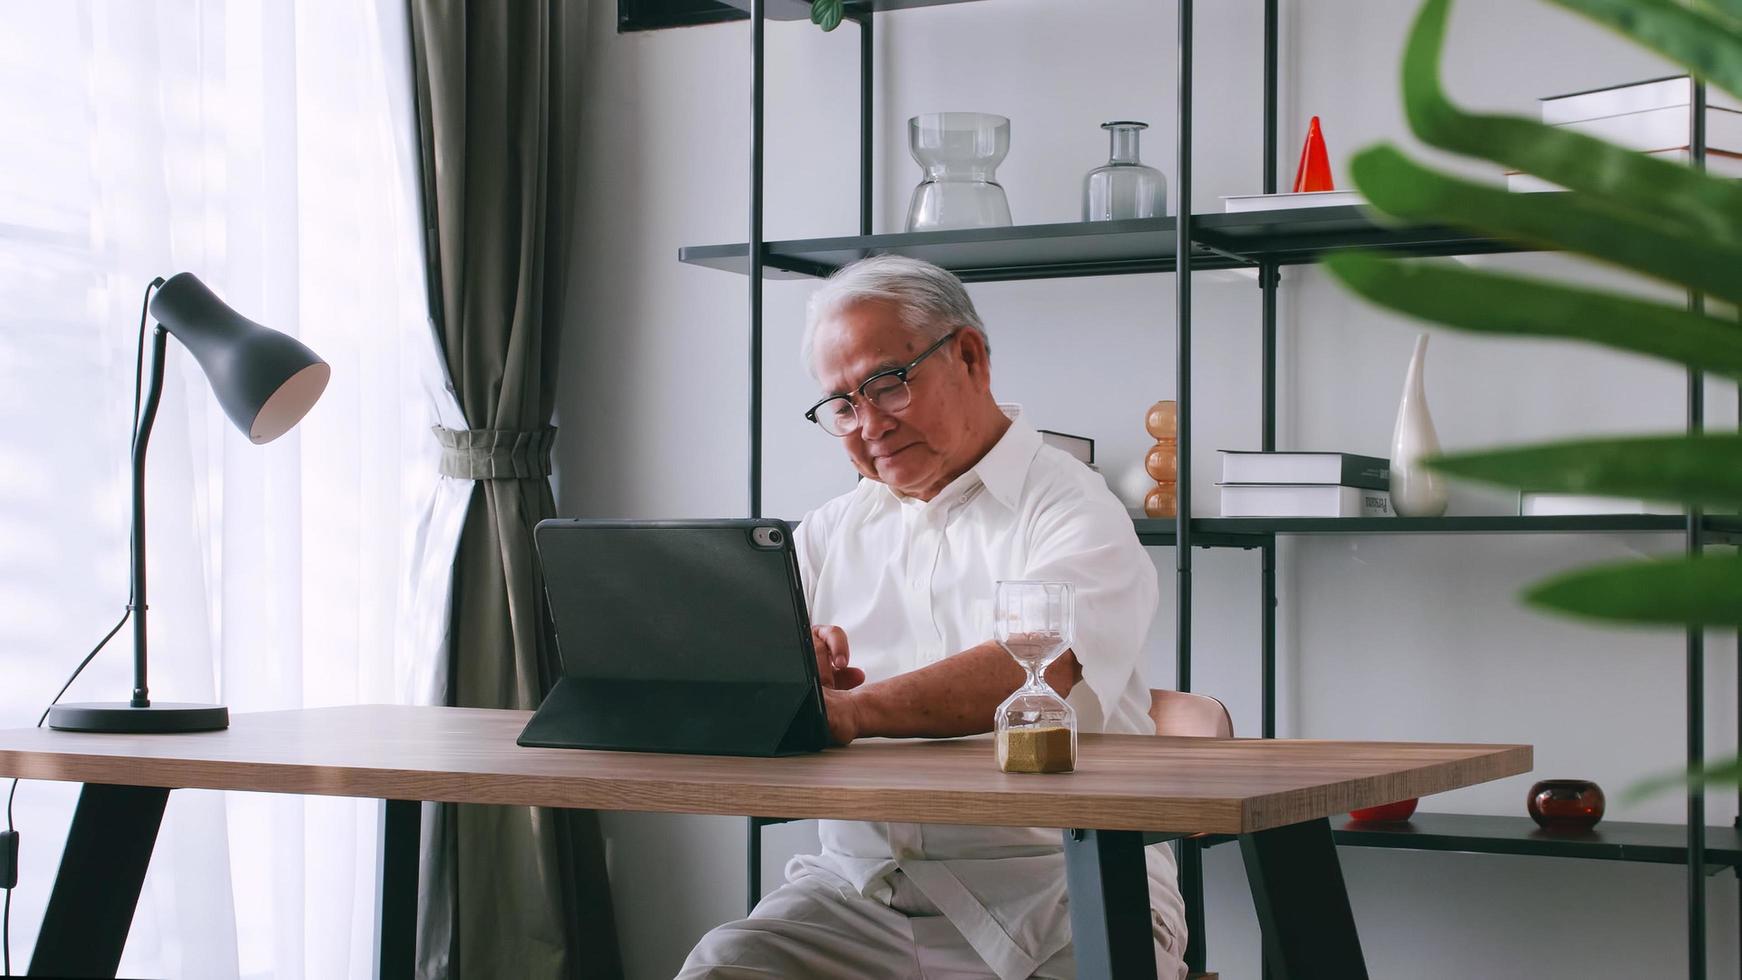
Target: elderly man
899, 575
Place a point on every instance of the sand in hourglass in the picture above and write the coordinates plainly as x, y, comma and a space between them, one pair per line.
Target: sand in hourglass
1047, 749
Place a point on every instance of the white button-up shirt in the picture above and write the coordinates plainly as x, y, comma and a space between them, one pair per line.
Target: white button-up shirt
912, 582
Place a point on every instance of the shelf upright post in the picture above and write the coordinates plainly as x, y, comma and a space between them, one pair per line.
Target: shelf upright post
1267, 653
1268, 275
1183, 353
1696, 654
866, 68
1191, 856
1267, 282
757, 15
1270, 61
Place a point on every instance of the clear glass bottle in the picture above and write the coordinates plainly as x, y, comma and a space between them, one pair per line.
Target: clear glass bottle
1036, 730
960, 153
1123, 187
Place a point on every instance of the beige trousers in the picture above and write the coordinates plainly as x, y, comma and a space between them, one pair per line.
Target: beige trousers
811, 927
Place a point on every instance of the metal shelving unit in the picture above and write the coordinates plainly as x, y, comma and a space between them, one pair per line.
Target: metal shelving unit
1652, 843
1105, 248
1264, 241
1470, 833
1254, 532
654, 15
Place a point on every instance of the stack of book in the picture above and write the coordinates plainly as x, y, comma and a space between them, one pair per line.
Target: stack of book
1571, 504
1240, 203
1654, 117
1257, 484
1082, 447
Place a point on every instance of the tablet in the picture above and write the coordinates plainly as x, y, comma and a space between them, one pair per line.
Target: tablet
678, 636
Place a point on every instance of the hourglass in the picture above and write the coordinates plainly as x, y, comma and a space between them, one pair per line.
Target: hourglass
1036, 729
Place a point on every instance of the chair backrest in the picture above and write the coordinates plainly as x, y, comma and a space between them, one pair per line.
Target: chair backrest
1181, 713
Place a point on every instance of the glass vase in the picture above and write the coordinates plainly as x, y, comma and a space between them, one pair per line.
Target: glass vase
960, 153
1565, 804
1123, 187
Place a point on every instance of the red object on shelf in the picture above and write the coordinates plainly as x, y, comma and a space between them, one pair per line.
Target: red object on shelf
1565, 804
1314, 172
1387, 812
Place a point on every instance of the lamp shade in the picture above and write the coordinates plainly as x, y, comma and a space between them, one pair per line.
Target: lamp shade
265, 380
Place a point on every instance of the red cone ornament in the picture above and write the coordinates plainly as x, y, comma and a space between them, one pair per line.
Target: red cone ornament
1314, 172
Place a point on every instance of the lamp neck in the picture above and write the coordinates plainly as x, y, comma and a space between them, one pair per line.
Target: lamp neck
141, 438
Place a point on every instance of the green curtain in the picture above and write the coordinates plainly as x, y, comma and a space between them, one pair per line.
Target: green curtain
517, 892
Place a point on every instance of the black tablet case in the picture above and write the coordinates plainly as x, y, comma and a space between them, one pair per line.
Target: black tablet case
677, 636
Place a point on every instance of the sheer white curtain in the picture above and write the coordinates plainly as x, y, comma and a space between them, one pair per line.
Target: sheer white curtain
269, 148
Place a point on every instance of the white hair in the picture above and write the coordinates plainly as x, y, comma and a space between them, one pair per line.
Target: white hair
930, 300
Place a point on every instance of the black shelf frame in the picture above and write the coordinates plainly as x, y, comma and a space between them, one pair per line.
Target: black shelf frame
1255, 532
1652, 843
1470, 833
1264, 241
654, 15
1273, 238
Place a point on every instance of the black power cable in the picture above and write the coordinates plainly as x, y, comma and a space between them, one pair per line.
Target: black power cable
11, 831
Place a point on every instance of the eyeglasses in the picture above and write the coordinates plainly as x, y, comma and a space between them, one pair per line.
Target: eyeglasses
887, 390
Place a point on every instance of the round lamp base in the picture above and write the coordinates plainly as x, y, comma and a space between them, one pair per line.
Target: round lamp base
119, 717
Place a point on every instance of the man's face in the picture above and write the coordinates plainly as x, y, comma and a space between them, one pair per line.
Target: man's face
920, 448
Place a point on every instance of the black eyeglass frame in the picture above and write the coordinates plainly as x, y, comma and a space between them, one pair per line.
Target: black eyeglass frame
896, 372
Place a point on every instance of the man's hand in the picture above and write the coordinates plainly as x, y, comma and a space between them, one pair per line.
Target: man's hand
842, 707
832, 661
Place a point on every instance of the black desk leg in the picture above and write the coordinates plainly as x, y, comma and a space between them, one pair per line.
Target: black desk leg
1302, 905
396, 890
1110, 919
1191, 888
97, 886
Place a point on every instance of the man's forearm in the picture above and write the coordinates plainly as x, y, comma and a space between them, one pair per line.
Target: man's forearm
955, 696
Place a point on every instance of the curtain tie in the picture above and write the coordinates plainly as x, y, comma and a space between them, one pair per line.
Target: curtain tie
495, 454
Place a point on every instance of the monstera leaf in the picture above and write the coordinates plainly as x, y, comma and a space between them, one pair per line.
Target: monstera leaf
1659, 219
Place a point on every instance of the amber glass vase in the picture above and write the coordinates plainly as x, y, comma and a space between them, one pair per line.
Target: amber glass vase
1565, 804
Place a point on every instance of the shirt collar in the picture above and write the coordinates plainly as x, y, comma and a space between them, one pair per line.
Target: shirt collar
1003, 471
1004, 468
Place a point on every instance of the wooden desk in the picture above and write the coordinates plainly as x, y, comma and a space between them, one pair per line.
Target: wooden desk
1276, 795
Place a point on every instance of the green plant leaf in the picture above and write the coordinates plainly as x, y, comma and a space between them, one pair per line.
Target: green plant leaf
1723, 9
1488, 302
1705, 43
1654, 245
1695, 591
1652, 188
1724, 772
1698, 469
827, 14
1640, 214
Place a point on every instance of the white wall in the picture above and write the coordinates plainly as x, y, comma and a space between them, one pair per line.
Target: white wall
1405, 638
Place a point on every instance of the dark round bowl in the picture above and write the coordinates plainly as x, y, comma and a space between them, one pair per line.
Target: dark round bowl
1565, 804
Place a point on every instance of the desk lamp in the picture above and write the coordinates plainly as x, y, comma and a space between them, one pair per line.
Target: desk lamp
266, 382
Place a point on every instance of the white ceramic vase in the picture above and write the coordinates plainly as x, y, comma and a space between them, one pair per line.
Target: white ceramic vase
1415, 490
